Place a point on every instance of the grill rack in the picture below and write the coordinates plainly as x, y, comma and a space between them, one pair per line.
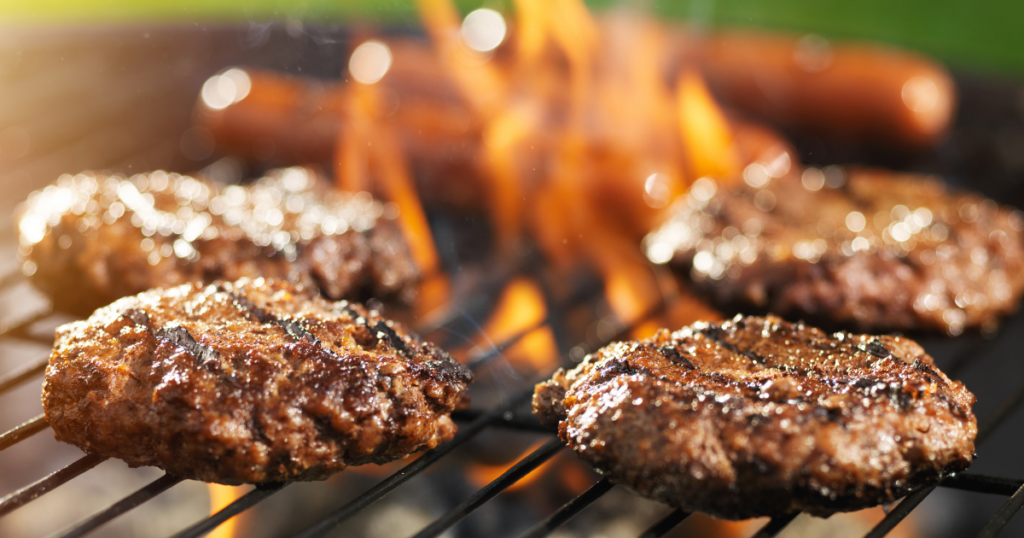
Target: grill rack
504, 416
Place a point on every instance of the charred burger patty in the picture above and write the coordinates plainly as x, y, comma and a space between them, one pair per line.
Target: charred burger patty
760, 417
860, 248
252, 381
90, 239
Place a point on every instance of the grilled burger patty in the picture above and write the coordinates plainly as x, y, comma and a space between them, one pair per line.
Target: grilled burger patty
252, 381
91, 239
864, 249
760, 417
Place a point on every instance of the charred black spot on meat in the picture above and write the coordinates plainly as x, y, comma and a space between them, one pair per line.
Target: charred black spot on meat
923, 367
139, 317
676, 357
293, 328
180, 336
393, 339
876, 348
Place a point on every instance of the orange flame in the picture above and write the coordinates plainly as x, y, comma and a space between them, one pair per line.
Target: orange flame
220, 497
520, 308
481, 474
706, 133
371, 146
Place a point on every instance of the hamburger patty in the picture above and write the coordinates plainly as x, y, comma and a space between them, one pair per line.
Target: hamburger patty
874, 251
252, 381
760, 417
91, 239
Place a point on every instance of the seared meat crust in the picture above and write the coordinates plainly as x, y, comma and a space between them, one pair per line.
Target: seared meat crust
883, 251
91, 239
252, 381
760, 417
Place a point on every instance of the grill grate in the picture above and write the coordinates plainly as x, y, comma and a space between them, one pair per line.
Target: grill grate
503, 415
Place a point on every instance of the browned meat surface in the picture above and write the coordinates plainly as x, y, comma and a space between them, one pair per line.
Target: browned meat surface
253, 381
90, 239
875, 250
757, 416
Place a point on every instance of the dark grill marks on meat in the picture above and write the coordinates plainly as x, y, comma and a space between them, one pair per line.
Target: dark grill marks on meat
252, 381
883, 251
174, 334
757, 416
91, 239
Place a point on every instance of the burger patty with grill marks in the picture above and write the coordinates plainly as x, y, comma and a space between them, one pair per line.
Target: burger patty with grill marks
760, 417
91, 239
863, 249
252, 381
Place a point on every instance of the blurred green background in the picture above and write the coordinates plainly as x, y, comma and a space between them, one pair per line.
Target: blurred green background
981, 36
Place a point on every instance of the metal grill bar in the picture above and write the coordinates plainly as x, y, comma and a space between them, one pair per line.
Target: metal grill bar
896, 515
775, 526
911, 501
570, 509
985, 429
487, 419
483, 358
24, 431
240, 505
46, 484
979, 483
666, 524
97, 520
27, 372
513, 422
23, 323
511, 476
1002, 517
386, 486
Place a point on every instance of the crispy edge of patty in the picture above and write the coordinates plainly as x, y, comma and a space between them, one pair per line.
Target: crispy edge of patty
217, 407
668, 440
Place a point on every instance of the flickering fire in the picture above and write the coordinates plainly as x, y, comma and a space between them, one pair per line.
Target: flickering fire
481, 474
220, 497
370, 158
521, 310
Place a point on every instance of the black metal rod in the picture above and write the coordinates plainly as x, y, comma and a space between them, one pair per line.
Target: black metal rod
22, 432
98, 519
488, 492
775, 526
23, 323
896, 515
1002, 517
989, 426
428, 458
240, 505
570, 509
666, 524
508, 421
475, 362
44, 485
980, 483
17, 377
911, 501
